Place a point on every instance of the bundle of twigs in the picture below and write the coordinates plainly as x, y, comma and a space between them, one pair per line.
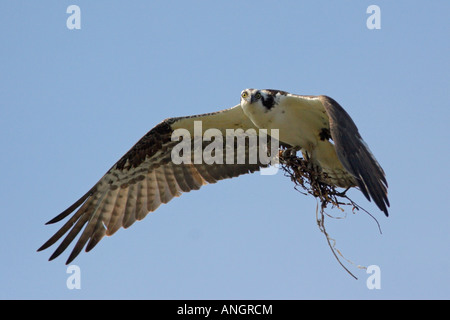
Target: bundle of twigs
308, 179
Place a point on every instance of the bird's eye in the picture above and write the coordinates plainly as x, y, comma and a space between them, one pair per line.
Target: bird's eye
258, 95
244, 94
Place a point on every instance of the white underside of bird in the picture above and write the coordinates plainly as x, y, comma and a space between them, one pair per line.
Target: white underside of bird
300, 121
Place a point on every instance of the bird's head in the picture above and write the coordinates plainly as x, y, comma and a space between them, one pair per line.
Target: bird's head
255, 100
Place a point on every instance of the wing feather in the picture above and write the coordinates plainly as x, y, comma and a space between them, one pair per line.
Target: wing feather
66, 227
98, 235
70, 236
180, 179
142, 179
164, 190
154, 200
100, 228
130, 209
207, 173
141, 204
171, 181
355, 155
114, 220
87, 232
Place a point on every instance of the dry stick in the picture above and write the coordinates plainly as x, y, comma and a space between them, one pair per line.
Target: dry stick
321, 224
304, 174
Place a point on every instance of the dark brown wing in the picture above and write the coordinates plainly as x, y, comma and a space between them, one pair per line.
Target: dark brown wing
355, 155
144, 178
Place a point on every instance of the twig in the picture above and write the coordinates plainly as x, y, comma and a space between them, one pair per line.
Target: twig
310, 180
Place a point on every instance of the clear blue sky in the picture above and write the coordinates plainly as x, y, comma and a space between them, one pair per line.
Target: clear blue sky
74, 101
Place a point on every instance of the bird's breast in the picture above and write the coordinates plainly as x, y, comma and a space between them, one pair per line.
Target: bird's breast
295, 128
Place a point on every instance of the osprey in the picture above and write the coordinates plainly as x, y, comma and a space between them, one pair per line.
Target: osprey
145, 177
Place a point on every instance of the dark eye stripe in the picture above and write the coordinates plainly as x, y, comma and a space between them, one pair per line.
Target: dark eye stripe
268, 101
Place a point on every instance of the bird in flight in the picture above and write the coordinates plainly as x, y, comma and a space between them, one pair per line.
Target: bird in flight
146, 176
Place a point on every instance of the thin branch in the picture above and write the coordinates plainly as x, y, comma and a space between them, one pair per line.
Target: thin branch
309, 179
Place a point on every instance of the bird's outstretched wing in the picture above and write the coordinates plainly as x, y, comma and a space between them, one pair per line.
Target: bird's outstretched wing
355, 155
143, 179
